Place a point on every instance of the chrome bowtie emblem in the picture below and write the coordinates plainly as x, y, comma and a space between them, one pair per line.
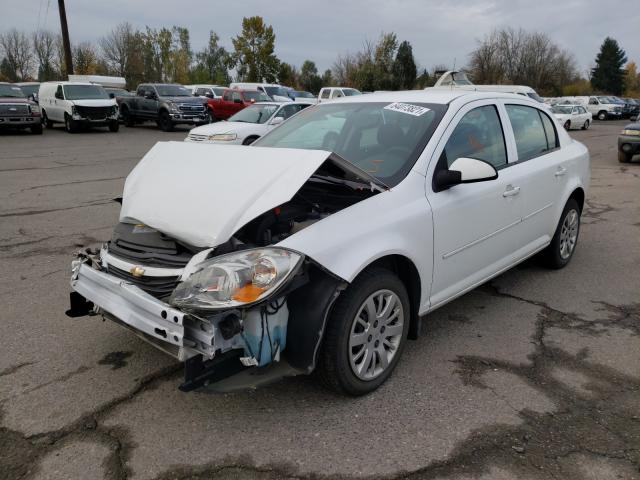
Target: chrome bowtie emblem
137, 271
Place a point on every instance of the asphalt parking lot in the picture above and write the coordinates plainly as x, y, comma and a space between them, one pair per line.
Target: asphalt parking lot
533, 376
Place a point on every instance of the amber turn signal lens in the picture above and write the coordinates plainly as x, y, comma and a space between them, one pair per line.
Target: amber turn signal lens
248, 293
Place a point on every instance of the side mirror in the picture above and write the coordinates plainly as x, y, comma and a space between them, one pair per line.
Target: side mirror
277, 120
464, 170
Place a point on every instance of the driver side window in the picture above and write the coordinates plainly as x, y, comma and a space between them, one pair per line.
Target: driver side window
478, 135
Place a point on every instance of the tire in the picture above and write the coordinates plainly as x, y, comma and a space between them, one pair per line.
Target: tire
37, 129
48, 123
114, 126
164, 121
212, 117
70, 124
249, 140
602, 115
563, 244
127, 118
624, 157
586, 125
567, 125
348, 325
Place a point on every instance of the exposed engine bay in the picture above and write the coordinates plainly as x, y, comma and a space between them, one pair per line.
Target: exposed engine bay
222, 342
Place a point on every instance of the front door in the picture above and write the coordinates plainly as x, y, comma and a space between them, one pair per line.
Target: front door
476, 225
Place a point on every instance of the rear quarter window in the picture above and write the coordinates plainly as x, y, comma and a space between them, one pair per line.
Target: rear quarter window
533, 131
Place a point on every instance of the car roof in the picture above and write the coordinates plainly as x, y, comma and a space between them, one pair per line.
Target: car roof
64, 82
442, 96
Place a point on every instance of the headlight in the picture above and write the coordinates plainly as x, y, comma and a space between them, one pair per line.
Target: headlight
173, 107
223, 137
74, 110
35, 109
631, 132
236, 279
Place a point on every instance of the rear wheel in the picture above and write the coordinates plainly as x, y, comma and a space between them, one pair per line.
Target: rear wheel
586, 125
48, 123
559, 252
602, 115
37, 129
366, 333
164, 121
114, 126
70, 124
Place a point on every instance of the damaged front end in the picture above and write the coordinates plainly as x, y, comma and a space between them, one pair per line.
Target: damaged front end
239, 314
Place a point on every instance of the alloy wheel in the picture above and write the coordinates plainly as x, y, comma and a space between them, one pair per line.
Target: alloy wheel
569, 233
376, 334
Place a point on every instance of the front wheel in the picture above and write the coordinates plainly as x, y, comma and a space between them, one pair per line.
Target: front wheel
586, 125
45, 119
602, 115
366, 333
70, 124
624, 157
567, 125
212, 117
559, 252
37, 129
164, 122
114, 126
127, 118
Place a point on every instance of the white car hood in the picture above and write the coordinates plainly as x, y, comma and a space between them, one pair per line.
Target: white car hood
226, 127
95, 103
202, 194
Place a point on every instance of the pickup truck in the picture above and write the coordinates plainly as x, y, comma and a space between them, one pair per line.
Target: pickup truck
232, 101
167, 104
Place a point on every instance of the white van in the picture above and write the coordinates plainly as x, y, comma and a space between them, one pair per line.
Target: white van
331, 93
457, 79
600, 106
272, 90
77, 104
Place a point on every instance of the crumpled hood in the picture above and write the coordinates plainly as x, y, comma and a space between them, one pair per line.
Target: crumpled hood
202, 194
110, 102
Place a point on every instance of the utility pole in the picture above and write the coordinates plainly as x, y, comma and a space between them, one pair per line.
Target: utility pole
68, 60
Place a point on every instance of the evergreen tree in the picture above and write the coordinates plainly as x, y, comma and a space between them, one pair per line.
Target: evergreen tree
254, 47
608, 74
404, 67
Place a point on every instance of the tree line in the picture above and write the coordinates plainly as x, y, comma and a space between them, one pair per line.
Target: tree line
165, 55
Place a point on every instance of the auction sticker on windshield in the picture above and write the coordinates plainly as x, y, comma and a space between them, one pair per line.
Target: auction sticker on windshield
414, 110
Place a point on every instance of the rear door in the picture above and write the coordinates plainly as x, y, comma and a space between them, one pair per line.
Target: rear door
476, 225
545, 170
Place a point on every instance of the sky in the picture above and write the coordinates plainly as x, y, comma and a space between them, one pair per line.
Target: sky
441, 32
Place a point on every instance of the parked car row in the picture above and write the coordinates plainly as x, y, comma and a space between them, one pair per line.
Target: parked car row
602, 107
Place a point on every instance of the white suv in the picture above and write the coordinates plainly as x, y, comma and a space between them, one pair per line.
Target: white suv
76, 105
323, 244
331, 93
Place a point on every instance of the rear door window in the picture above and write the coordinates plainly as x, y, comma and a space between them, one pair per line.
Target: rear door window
325, 93
533, 131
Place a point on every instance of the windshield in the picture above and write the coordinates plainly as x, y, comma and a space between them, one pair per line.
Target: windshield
254, 114
561, 109
350, 92
30, 89
535, 96
85, 92
172, 91
277, 91
605, 100
382, 139
255, 96
11, 91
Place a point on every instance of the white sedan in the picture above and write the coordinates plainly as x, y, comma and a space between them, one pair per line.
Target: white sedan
325, 244
572, 116
246, 126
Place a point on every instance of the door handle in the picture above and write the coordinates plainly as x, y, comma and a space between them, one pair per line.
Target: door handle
511, 191
560, 172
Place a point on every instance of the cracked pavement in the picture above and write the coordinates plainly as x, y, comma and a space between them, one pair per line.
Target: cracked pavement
535, 375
